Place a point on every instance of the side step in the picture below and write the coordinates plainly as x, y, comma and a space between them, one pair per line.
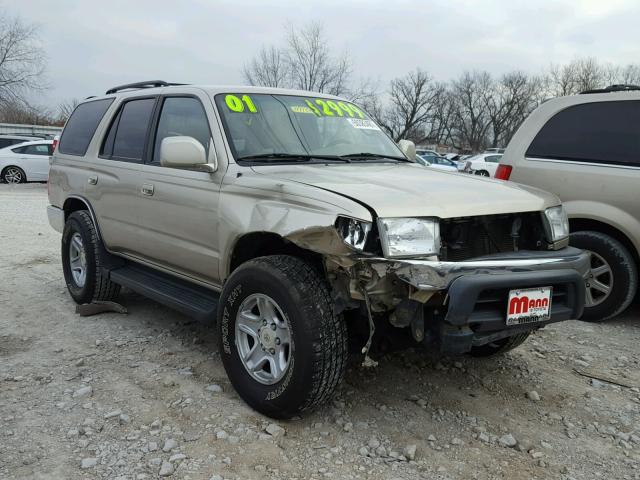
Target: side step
192, 300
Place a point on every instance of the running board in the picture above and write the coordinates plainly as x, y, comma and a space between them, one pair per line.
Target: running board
192, 300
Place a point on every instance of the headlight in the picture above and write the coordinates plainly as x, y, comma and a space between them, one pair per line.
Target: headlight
354, 232
557, 223
406, 237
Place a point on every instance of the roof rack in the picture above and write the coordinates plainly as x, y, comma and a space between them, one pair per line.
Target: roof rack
147, 84
612, 88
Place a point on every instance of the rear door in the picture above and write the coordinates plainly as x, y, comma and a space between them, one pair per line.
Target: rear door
34, 160
179, 207
113, 181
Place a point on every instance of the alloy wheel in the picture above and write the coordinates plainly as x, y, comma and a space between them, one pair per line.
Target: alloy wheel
598, 280
263, 339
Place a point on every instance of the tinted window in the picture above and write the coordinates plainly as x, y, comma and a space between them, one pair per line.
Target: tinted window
182, 116
7, 142
39, 149
602, 132
128, 132
80, 128
492, 158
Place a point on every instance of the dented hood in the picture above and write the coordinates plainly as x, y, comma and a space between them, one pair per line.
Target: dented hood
411, 190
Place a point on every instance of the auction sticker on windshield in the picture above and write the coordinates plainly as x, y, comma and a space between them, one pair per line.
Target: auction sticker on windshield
363, 123
529, 305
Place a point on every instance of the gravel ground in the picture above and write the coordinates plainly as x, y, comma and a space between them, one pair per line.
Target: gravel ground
144, 395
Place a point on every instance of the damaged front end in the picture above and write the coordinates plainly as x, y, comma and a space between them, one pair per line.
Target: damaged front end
454, 296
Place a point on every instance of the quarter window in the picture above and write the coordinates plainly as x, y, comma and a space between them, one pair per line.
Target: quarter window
80, 128
182, 116
599, 132
39, 149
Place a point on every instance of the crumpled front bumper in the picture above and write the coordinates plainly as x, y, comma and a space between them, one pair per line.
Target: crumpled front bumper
435, 275
476, 291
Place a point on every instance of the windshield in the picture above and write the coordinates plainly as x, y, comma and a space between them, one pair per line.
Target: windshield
285, 126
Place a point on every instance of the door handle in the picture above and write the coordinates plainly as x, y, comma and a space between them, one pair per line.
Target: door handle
92, 180
147, 189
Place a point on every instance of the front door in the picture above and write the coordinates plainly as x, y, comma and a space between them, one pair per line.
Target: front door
179, 208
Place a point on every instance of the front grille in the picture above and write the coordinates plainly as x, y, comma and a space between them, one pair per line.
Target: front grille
470, 237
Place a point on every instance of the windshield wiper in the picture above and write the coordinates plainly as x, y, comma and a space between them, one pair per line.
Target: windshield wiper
292, 156
367, 155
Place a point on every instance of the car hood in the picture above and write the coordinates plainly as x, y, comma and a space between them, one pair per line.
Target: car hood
410, 190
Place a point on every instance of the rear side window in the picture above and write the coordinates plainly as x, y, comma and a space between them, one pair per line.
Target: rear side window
38, 149
80, 128
127, 135
601, 132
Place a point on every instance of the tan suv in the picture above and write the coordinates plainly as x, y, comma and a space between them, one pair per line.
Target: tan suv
291, 219
586, 149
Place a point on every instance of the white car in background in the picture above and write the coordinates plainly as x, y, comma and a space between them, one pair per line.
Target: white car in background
26, 162
437, 162
485, 164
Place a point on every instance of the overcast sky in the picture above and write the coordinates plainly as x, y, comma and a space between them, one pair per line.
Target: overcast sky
93, 45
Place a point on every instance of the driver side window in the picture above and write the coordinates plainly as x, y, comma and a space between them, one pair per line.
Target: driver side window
181, 116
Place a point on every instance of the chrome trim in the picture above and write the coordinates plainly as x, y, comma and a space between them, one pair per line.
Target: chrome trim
56, 218
433, 275
572, 162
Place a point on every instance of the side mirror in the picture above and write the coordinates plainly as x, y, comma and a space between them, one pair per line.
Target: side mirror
408, 148
183, 152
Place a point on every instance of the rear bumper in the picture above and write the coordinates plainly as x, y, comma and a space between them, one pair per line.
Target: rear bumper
476, 292
56, 218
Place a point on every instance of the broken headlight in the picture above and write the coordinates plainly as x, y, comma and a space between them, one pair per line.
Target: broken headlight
354, 232
557, 223
407, 237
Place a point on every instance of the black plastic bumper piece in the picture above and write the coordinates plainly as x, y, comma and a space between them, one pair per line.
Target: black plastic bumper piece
478, 305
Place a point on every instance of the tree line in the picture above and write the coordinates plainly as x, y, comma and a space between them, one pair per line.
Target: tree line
474, 111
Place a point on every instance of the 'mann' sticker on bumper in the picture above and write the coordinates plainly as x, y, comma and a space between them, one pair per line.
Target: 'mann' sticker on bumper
529, 305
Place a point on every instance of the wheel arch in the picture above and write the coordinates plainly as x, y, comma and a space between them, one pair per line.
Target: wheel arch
582, 224
74, 203
260, 244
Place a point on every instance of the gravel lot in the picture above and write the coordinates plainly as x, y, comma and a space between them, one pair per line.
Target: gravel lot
144, 395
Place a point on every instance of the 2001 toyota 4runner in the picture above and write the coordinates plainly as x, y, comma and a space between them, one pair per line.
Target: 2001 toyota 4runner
292, 219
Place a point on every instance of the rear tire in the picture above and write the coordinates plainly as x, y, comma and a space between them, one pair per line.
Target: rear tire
316, 338
619, 274
499, 347
83, 260
483, 173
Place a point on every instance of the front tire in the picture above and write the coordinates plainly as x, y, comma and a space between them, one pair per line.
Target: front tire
612, 281
282, 346
83, 258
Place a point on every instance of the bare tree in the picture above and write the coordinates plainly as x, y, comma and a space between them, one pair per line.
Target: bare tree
18, 111
305, 62
508, 102
411, 105
66, 108
268, 68
471, 120
22, 60
311, 65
